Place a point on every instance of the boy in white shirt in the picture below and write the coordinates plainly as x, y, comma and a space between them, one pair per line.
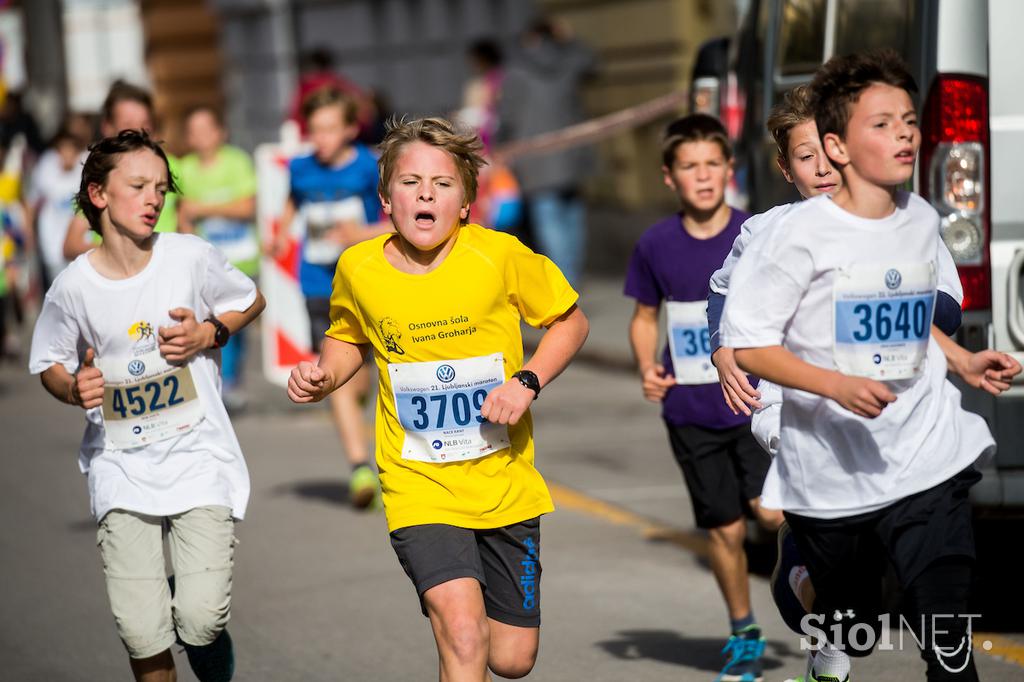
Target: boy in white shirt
878, 456
130, 332
803, 163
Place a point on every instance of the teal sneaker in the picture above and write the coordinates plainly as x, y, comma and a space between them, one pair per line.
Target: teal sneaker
744, 650
362, 487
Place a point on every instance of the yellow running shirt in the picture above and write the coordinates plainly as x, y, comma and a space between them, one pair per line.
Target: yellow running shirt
446, 337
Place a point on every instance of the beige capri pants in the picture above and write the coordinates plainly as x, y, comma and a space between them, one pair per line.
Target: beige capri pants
202, 544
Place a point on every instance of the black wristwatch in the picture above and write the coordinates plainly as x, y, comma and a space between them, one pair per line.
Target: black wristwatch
529, 380
221, 333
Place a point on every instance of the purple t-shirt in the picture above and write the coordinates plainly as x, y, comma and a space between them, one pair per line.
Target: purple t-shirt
670, 265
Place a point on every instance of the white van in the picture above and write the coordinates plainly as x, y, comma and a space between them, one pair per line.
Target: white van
970, 71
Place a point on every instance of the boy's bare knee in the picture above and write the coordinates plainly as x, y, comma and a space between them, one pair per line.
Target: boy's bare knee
466, 637
513, 667
731, 535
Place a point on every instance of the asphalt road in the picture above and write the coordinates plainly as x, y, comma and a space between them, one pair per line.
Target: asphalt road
319, 595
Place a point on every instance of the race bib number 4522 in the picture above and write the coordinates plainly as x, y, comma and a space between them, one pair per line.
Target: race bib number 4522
438, 404
883, 319
145, 400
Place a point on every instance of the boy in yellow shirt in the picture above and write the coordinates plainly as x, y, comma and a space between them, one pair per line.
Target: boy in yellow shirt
440, 302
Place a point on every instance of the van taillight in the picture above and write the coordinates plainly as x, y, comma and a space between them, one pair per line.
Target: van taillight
955, 177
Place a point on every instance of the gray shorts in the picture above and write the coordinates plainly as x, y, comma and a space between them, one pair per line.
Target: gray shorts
506, 562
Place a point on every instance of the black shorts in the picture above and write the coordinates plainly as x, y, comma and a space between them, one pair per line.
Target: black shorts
724, 469
319, 310
847, 557
506, 562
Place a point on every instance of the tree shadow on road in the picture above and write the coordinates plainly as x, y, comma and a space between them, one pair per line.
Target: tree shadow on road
702, 653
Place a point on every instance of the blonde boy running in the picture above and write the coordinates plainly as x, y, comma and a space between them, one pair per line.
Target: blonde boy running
440, 303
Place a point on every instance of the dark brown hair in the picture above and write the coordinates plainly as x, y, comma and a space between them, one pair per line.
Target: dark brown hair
839, 83
123, 91
693, 128
103, 158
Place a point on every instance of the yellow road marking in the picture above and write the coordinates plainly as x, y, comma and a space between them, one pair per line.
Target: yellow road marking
567, 498
1000, 647
650, 530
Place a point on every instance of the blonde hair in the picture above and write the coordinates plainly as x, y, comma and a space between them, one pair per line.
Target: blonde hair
794, 109
464, 147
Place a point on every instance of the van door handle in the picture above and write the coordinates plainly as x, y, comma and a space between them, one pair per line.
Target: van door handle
1015, 314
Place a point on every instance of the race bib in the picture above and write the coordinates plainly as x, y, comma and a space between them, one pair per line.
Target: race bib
689, 342
883, 319
438, 405
320, 217
234, 238
146, 400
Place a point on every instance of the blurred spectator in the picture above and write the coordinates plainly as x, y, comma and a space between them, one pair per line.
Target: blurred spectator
316, 72
540, 94
482, 91
126, 107
55, 180
218, 202
14, 120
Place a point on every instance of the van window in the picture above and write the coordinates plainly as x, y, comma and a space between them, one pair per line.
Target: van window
801, 37
867, 24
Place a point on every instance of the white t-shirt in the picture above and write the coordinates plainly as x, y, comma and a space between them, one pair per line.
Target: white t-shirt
833, 463
949, 278
765, 423
119, 320
53, 189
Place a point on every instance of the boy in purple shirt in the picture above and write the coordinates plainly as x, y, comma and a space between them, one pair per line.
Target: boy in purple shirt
722, 464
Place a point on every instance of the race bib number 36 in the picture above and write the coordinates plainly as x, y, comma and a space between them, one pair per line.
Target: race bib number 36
438, 405
145, 401
689, 342
883, 319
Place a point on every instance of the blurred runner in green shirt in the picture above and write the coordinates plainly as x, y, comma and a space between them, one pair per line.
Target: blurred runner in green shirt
218, 202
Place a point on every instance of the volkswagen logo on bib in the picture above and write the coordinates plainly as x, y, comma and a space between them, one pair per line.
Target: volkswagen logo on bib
893, 279
136, 367
445, 374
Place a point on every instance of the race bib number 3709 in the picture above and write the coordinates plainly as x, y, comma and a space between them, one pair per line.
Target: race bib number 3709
883, 319
438, 404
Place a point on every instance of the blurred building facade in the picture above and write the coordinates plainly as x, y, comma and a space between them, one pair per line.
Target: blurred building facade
243, 55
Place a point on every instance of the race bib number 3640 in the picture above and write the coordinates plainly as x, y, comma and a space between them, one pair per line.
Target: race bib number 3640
438, 404
883, 319
689, 342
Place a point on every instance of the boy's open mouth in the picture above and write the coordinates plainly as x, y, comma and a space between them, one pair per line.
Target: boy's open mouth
905, 155
425, 217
